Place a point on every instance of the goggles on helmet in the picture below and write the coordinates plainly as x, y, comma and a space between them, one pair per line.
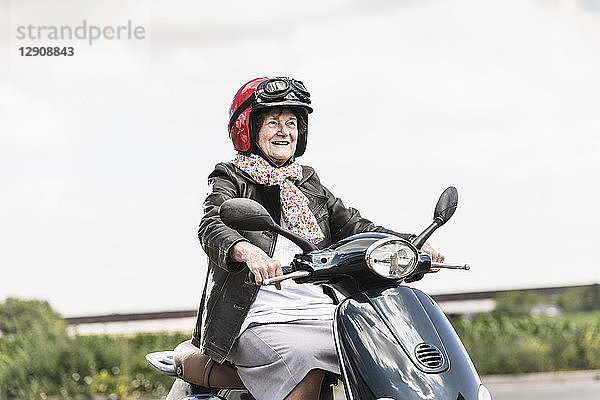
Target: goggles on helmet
277, 89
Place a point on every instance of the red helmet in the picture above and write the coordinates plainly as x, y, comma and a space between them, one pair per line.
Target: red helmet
262, 93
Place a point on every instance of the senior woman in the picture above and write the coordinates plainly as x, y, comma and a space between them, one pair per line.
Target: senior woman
279, 337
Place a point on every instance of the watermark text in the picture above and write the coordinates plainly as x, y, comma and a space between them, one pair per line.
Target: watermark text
85, 31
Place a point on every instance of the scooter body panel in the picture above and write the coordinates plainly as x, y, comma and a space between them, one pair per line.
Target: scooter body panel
377, 336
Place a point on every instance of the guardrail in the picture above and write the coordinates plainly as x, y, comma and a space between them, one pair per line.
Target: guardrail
441, 298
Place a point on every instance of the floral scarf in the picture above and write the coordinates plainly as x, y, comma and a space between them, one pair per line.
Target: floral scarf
294, 204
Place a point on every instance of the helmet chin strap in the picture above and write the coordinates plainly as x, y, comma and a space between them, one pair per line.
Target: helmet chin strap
258, 151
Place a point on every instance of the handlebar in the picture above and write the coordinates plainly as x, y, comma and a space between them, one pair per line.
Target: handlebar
304, 274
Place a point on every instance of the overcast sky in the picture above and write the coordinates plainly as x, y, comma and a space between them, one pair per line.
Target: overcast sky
104, 155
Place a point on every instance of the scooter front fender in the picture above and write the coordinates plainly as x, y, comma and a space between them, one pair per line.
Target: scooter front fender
380, 335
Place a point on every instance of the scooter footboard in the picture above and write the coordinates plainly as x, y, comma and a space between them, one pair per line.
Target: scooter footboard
390, 347
182, 390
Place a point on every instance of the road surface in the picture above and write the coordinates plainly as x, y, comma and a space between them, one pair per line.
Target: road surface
576, 385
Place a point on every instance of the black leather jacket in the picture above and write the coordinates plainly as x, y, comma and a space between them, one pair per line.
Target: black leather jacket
229, 289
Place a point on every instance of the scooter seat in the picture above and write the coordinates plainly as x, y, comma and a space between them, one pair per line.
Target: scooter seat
194, 367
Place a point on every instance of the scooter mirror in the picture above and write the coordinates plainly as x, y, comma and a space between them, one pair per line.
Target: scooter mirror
246, 215
446, 206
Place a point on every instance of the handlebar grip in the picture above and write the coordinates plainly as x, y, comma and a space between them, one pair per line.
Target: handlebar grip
286, 269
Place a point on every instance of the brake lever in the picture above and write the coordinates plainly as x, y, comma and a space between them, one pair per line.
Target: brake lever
292, 275
419, 276
465, 267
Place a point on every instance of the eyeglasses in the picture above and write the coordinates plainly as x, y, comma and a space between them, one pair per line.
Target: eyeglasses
277, 125
279, 88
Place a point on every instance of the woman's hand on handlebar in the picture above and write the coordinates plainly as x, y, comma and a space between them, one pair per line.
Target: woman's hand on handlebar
260, 264
435, 255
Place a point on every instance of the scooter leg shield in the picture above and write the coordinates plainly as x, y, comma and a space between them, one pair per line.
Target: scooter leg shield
378, 335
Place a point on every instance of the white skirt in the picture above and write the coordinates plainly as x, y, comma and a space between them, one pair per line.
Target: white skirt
272, 359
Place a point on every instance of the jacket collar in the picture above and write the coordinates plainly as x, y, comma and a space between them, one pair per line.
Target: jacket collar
307, 172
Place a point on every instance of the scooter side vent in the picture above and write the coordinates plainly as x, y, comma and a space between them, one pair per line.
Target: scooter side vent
429, 356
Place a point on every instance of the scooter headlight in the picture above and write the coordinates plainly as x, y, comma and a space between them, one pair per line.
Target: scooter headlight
391, 258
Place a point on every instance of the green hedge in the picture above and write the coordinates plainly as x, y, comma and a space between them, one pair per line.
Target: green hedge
505, 345
39, 360
36, 367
